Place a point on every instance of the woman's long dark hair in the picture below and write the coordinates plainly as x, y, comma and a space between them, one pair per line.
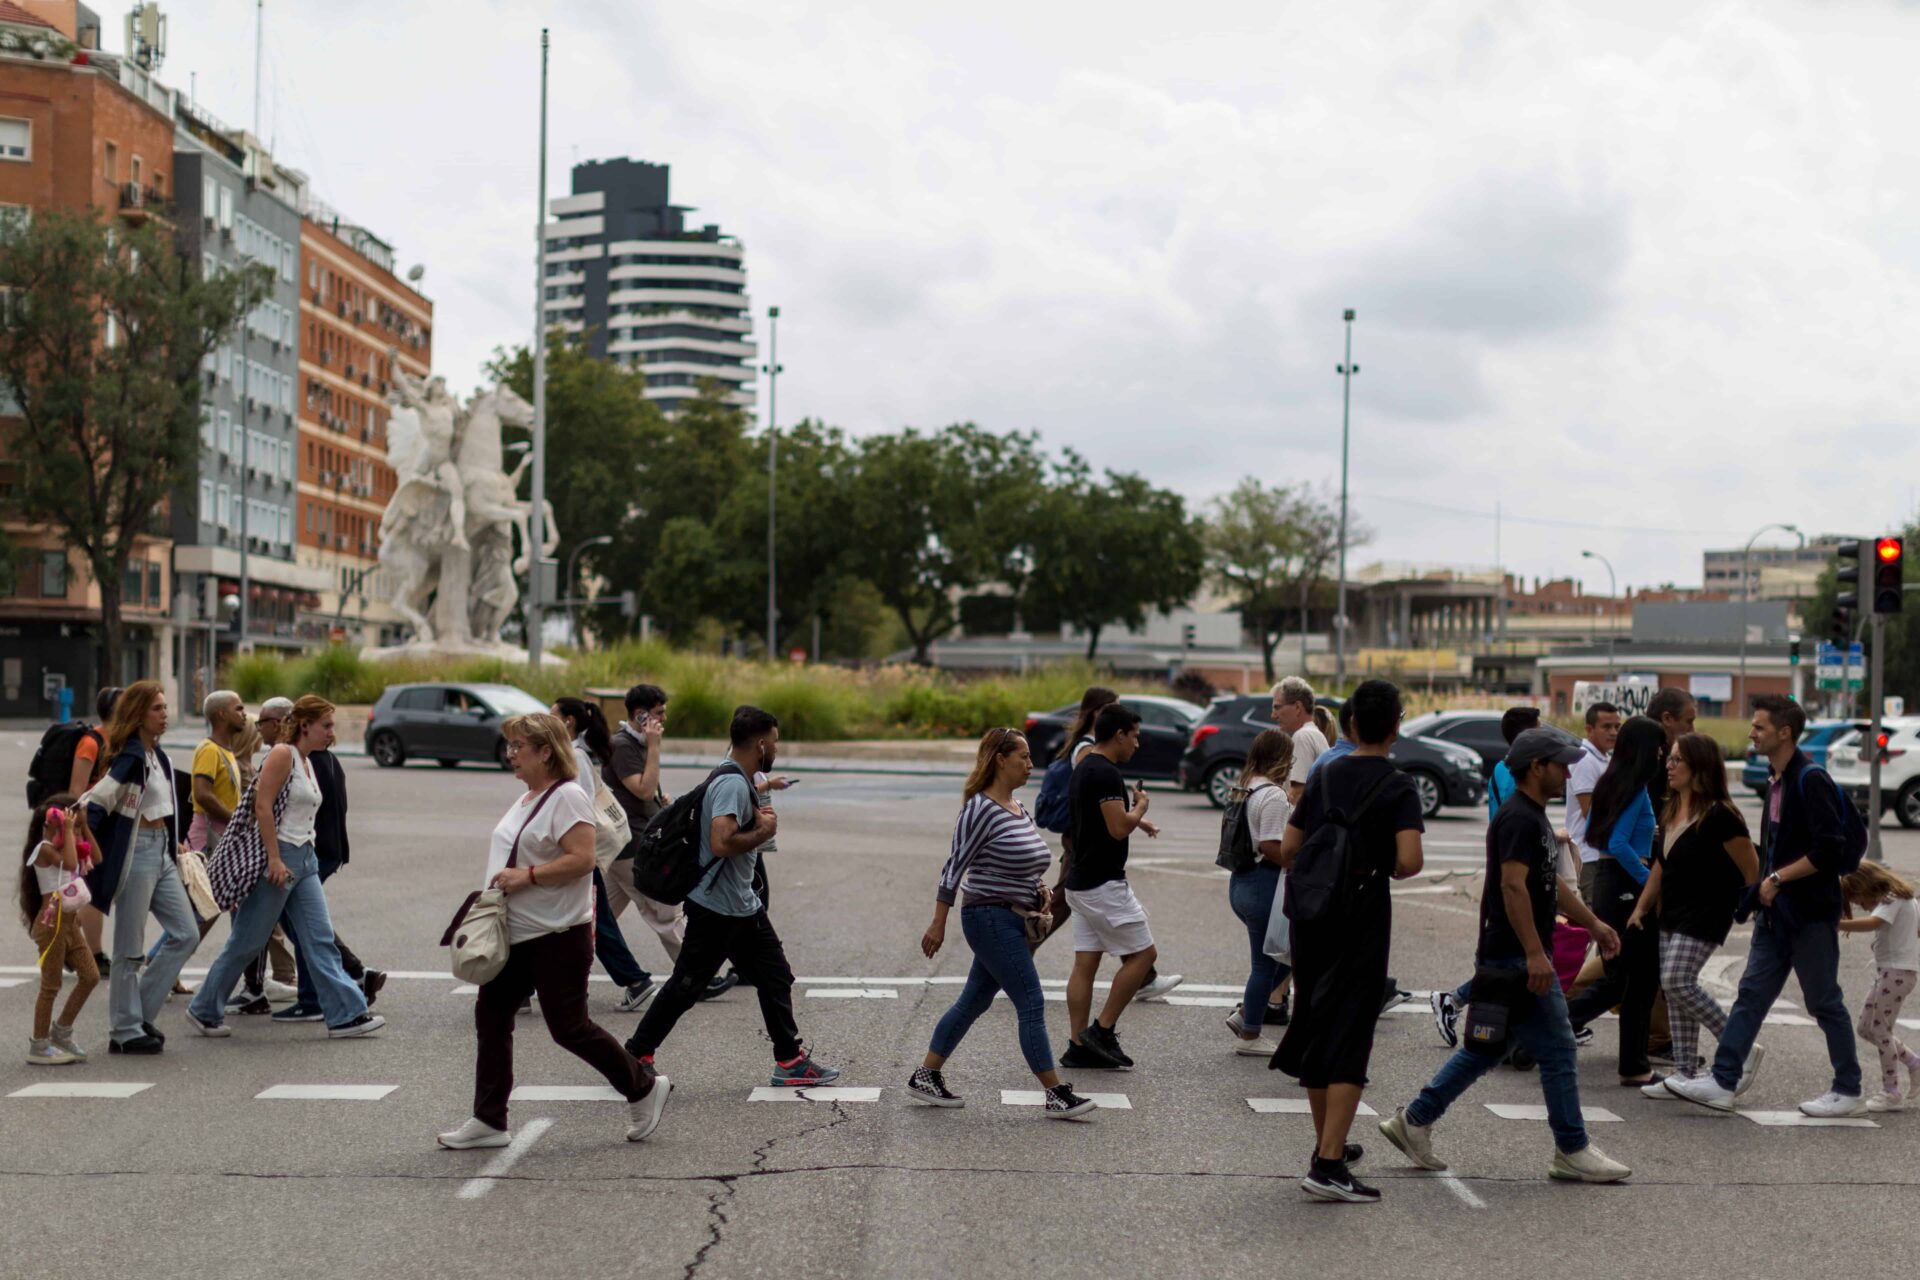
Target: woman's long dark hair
587, 718
1709, 780
1639, 759
1092, 702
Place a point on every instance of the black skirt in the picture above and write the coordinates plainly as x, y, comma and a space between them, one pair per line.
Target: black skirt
1339, 982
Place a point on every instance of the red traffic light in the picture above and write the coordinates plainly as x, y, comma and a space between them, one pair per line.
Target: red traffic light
1887, 549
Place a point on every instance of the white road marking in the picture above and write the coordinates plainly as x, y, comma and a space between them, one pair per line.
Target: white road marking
509, 1156
1201, 1002
852, 993
13, 982
1058, 997
824, 1093
1294, 1107
565, 1093
1036, 1098
1794, 1120
1789, 1020
465, 989
318, 1092
81, 1089
1538, 1111
1451, 1181
1911, 1024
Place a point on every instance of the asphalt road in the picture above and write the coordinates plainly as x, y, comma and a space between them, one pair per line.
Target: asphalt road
196, 1174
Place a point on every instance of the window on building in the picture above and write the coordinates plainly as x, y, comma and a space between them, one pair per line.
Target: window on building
110, 165
223, 431
153, 584
209, 197
53, 574
223, 508
206, 502
226, 208
113, 330
132, 583
134, 171
16, 139
206, 425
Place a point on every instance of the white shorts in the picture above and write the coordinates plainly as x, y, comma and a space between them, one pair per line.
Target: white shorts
1110, 919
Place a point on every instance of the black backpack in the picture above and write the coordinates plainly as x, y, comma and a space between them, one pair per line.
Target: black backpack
666, 855
1236, 834
52, 767
1321, 885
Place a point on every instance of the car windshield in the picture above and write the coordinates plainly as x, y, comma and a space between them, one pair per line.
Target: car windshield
1421, 724
511, 702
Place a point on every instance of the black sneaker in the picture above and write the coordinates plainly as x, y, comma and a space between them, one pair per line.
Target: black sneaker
1582, 1037
1084, 1057
734, 978
927, 1086
1103, 1040
297, 1012
1279, 1014
370, 983
1064, 1104
721, 985
141, 1044
1353, 1154
1332, 1180
153, 1031
258, 1006
103, 964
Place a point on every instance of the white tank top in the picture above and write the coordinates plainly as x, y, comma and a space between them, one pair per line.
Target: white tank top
303, 803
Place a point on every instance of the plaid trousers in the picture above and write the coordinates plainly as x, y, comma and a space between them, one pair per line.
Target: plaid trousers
1689, 1005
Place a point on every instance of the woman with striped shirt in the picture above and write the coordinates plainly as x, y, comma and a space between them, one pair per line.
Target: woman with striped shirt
1000, 859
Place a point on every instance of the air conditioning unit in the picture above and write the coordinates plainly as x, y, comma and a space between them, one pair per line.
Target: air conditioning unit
325, 357
349, 371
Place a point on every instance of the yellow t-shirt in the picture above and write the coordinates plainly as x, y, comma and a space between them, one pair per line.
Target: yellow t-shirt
216, 764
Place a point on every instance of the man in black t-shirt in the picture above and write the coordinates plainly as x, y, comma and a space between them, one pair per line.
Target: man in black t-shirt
1107, 919
1517, 910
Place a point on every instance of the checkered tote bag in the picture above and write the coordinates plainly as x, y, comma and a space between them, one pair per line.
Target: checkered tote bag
240, 859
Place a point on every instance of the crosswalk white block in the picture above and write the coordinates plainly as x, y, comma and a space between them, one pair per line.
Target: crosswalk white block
1037, 1097
1538, 1111
1794, 1120
326, 1092
824, 1093
565, 1093
81, 1089
852, 993
1293, 1107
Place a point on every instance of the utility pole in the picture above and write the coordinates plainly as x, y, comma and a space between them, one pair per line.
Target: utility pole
537, 517
1746, 593
772, 369
1346, 370
259, 35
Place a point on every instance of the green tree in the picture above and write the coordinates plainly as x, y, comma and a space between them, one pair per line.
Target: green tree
1902, 671
104, 330
1109, 552
812, 479
1269, 548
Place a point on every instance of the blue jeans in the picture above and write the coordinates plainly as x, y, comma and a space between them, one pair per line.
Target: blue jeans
150, 882
1543, 1031
609, 944
1001, 962
303, 902
309, 998
1250, 894
1812, 953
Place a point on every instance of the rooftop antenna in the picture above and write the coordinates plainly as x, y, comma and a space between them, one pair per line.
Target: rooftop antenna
147, 35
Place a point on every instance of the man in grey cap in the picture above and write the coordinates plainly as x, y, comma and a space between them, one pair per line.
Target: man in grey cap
1514, 969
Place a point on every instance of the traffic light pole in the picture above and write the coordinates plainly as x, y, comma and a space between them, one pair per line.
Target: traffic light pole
1876, 705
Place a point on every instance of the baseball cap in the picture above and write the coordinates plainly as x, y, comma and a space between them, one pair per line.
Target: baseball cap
1543, 743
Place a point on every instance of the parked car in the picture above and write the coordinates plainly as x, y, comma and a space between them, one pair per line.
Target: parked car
1899, 773
445, 722
1478, 731
1756, 774
1443, 772
1165, 725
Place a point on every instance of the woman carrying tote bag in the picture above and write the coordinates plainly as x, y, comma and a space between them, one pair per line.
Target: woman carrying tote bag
541, 858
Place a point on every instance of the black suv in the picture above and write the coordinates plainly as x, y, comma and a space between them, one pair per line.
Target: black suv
1444, 772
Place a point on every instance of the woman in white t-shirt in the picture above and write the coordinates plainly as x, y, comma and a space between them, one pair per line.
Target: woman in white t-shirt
1253, 858
547, 837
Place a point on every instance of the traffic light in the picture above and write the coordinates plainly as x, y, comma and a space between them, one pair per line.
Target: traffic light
1887, 574
1846, 596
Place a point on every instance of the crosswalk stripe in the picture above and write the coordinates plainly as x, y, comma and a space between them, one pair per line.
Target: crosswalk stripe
1794, 1120
320, 1092
1037, 1097
852, 993
1538, 1111
1294, 1107
529, 1134
1203, 1002
465, 989
82, 1089
825, 1093
565, 1093
13, 982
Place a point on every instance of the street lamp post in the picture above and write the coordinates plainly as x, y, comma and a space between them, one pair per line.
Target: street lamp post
536, 516
1746, 592
1613, 593
772, 369
573, 607
1346, 369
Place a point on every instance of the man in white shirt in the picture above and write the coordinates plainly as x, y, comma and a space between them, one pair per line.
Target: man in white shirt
1293, 711
1603, 729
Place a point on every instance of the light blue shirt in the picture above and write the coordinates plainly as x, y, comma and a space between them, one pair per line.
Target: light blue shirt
729, 891
1341, 747
1499, 787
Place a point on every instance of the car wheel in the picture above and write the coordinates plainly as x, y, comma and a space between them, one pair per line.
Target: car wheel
1907, 807
500, 755
1428, 788
449, 764
1220, 780
387, 750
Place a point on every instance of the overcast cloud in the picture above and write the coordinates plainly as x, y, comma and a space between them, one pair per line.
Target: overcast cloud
1647, 267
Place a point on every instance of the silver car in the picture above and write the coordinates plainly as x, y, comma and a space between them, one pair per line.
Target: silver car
445, 722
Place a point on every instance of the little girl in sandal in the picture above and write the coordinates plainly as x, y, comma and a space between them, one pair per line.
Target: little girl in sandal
59, 852
1894, 922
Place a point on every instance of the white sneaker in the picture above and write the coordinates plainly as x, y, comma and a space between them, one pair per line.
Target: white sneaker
1657, 1090
1833, 1105
643, 1117
1235, 1023
1702, 1090
1415, 1141
1258, 1047
1589, 1164
279, 992
1750, 1072
212, 1030
45, 1053
475, 1133
1891, 1100
1158, 988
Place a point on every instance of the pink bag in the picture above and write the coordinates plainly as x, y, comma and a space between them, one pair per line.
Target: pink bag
1569, 952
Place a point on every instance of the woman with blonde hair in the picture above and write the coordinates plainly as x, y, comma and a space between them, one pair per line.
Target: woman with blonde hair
541, 858
1251, 829
285, 802
1000, 858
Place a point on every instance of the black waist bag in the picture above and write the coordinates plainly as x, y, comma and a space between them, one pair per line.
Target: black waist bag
1496, 996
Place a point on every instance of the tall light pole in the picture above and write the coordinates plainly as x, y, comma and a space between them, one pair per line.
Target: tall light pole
1346, 369
1613, 593
1746, 591
573, 609
772, 369
536, 518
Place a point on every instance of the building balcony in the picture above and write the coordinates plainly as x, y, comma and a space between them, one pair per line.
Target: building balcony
708, 346
667, 299
698, 248
138, 204
659, 271
734, 373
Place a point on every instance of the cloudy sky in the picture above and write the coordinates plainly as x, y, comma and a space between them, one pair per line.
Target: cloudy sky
1644, 275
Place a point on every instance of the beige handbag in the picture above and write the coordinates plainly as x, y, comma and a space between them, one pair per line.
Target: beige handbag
193, 875
611, 830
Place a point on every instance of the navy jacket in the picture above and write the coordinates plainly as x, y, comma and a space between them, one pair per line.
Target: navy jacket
1811, 826
330, 825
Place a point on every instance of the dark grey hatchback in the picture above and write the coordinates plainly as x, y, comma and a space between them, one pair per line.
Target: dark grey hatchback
445, 722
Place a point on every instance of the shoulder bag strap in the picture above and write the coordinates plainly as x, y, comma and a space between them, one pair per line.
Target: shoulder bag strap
514, 853
1372, 792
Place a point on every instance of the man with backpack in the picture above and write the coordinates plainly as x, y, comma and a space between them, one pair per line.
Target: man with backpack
1356, 828
721, 822
1810, 837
